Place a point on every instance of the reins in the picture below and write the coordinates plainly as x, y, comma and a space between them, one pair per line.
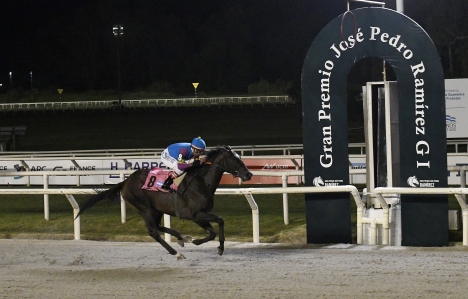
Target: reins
195, 175
189, 182
200, 168
223, 168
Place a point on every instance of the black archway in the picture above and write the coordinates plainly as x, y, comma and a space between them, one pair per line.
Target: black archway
402, 43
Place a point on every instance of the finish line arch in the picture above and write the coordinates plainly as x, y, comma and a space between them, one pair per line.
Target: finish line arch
406, 47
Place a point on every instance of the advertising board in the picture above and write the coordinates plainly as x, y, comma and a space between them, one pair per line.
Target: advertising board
269, 165
456, 106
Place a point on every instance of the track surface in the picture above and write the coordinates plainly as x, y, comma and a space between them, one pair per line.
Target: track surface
90, 269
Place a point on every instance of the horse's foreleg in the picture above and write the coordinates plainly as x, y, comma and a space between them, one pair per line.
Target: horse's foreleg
221, 235
204, 222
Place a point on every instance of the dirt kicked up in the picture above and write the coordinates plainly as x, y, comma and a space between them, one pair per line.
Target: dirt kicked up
89, 269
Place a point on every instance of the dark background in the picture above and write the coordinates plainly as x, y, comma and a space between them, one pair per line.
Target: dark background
229, 47
156, 128
168, 44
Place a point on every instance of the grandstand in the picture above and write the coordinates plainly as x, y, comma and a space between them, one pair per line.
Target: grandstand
259, 120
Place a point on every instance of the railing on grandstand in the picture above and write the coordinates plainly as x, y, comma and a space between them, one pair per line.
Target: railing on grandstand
243, 150
453, 146
145, 103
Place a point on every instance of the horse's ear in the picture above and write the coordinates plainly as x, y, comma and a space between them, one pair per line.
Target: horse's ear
223, 147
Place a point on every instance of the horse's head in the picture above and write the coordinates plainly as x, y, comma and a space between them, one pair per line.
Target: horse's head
228, 160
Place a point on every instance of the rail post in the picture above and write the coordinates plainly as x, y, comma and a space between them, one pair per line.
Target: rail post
46, 197
284, 179
464, 209
167, 223
76, 221
255, 218
463, 181
123, 210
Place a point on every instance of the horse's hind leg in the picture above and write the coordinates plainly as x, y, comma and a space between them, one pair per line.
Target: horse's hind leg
150, 220
203, 220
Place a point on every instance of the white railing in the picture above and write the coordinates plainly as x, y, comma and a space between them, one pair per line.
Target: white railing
458, 192
67, 192
248, 192
122, 173
143, 103
283, 174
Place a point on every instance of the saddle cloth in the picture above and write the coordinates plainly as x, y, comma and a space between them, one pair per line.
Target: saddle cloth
156, 178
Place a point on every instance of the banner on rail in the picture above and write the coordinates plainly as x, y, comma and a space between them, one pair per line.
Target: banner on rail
273, 165
260, 164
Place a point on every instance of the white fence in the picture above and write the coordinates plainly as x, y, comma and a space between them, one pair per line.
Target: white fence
143, 103
248, 193
458, 192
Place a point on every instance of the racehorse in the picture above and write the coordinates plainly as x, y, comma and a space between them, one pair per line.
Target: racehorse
193, 200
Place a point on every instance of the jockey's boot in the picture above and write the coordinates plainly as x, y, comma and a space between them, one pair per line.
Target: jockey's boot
167, 183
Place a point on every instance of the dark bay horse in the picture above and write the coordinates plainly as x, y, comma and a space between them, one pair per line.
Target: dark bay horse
193, 201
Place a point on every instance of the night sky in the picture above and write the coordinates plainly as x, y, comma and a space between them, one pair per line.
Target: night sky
224, 45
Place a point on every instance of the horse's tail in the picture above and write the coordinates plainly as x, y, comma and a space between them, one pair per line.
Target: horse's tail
111, 193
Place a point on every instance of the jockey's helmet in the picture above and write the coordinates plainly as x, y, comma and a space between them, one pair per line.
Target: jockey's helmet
199, 144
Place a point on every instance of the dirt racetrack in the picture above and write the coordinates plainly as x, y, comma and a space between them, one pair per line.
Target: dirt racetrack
89, 269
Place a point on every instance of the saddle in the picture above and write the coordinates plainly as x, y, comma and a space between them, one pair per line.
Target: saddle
156, 178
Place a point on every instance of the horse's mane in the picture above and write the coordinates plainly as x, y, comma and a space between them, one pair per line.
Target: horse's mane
212, 153
210, 156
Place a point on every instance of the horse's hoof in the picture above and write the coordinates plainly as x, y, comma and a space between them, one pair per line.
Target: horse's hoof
220, 251
179, 256
187, 239
181, 243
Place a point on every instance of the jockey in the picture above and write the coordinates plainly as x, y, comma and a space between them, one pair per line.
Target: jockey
178, 157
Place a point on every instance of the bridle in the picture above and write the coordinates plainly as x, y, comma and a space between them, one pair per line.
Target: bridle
235, 173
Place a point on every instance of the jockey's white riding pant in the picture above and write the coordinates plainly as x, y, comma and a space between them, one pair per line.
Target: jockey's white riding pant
170, 162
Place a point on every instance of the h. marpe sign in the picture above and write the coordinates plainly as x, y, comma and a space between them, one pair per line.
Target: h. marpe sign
263, 164
456, 106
